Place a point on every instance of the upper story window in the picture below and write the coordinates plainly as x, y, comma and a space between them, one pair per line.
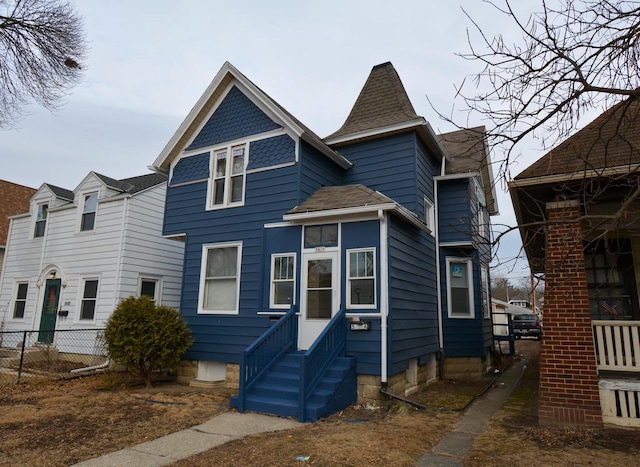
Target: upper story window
361, 278
228, 181
482, 223
484, 278
220, 278
321, 235
41, 220
283, 273
89, 212
460, 288
21, 300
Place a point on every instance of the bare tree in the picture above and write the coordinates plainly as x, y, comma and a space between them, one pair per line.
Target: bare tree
42, 46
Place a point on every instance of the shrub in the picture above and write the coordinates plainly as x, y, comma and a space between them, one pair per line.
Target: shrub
145, 338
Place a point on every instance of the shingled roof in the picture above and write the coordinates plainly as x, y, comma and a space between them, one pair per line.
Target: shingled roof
382, 102
341, 197
611, 140
15, 200
469, 153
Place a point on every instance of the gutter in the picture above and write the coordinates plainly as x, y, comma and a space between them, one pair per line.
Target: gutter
436, 227
384, 296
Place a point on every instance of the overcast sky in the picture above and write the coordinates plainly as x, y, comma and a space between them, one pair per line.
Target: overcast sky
149, 62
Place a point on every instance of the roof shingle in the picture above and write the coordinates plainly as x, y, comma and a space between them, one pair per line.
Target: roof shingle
341, 197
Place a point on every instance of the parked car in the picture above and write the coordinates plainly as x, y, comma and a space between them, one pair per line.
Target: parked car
527, 324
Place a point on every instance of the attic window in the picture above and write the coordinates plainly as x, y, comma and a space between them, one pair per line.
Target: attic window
41, 220
89, 212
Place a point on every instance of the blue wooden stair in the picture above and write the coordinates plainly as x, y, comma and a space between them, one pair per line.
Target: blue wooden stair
277, 390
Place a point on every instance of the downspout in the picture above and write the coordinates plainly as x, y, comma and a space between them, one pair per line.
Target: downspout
438, 272
384, 295
125, 220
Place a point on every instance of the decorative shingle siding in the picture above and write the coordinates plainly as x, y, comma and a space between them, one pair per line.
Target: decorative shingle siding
413, 295
192, 168
271, 151
236, 117
387, 165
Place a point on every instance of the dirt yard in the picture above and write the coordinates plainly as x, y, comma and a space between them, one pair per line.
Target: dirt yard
65, 422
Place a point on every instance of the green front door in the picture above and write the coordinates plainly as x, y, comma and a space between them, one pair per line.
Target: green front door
49, 311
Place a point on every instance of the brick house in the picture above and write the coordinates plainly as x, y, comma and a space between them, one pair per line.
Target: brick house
578, 211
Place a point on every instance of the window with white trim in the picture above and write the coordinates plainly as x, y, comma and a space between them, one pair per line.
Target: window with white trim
482, 224
220, 278
361, 278
150, 287
283, 284
429, 215
460, 288
228, 179
484, 278
89, 299
89, 208
41, 220
21, 300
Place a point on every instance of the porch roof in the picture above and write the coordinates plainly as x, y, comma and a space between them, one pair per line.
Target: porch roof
332, 201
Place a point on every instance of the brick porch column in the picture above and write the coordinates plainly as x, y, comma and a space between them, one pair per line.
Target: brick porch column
568, 376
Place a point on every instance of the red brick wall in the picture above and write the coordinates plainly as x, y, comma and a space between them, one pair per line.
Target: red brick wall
568, 376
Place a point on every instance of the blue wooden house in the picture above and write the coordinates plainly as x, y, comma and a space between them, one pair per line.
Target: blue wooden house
311, 274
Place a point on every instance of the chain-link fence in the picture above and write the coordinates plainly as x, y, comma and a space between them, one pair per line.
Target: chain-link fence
31, 355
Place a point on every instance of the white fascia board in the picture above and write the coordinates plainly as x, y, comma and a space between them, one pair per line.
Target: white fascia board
457, 176
20, 216
437, 144
376, 132
303, 216
457, 244
581, 174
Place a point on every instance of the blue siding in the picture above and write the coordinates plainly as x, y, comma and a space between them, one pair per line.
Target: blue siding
427, 167
413, 313
192, 168
268, 196
316, 170
281, 240
454, 211
236, 117
364, 345
387, 165
271, 151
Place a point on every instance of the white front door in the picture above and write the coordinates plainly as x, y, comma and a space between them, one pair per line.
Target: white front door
320, 295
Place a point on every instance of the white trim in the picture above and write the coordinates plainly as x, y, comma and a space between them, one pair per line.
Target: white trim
338, 212
429, 214
272, 304
179, 237
271, 167
348, 278
14, 298
82, 197
157, 295
277, 225
203, 269
457, 245
457, 176
486, 310
228, 176
469, 263
355, 314
577, 175
384, 293
376, 131
82, 284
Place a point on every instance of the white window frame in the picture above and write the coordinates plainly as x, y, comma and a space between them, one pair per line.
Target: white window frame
157, 293
81, 298
469, 263
37, 219
203, 272
16, 289
356, 306
84, 197
273, 281
228, 175
482, 228
430, 215
484, 281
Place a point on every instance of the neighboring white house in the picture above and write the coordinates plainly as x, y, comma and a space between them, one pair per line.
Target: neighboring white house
75, 254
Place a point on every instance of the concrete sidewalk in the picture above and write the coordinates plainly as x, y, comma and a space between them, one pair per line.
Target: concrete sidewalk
171, 448
456, 444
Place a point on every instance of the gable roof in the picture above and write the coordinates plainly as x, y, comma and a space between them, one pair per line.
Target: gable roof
133, 184
611, 140
61, 193
382, 108
469, 154
332, 201
14, 199
227, 74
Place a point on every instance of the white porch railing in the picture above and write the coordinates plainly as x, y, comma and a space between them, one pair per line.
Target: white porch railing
617, 345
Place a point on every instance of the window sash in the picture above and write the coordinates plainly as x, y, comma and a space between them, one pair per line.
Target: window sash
89, 212
361, 278
282, 280
89, 298
460, 288
21, 300
220, 278
149, 288
41, 220
228, 181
